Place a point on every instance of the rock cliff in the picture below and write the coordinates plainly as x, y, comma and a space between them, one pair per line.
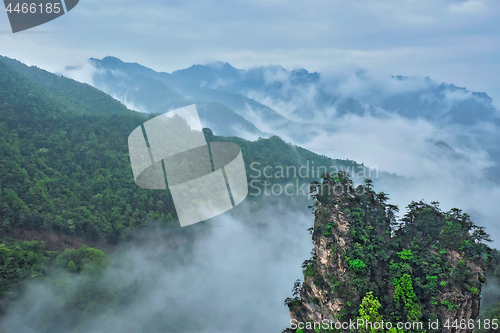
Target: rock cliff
426, 269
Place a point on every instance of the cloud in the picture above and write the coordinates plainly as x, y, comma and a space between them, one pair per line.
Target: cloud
455, 177
490, 294
130, 104
467, 7
316, 101
373, 86
83, 72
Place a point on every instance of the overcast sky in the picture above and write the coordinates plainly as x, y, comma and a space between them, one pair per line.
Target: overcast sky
453, 41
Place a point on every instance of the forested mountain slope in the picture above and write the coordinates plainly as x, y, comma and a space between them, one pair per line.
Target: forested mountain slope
69, 171
75, 96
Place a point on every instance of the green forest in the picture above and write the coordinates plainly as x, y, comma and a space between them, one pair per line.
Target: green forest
69, 171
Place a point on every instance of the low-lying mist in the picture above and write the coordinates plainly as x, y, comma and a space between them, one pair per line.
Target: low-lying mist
230, 274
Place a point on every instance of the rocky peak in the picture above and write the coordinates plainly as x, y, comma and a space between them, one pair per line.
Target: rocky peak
426, 268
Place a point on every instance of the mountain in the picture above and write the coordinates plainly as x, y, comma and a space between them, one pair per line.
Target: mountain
73, 95
368, 268
146, 93
409, 97
66, 162
66, 181
412, 97
191, 87
325, 102
67, 167
160, 92
309, 108
223, 76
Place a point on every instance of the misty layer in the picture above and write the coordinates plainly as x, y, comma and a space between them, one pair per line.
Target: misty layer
228, 275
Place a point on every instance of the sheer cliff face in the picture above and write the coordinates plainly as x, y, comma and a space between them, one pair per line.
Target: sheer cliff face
425, 270
318, 302
463, 304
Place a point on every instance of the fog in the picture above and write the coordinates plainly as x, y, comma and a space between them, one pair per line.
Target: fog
457, 164
230, 274
454, 174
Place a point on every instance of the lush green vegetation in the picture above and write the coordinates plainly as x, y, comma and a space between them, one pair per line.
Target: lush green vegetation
22, 263
72, 95
425, 255
64, 168
70, 172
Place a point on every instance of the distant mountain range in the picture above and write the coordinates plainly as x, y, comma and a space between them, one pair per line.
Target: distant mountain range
224, 84
410, 97
298, 105
155, 92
